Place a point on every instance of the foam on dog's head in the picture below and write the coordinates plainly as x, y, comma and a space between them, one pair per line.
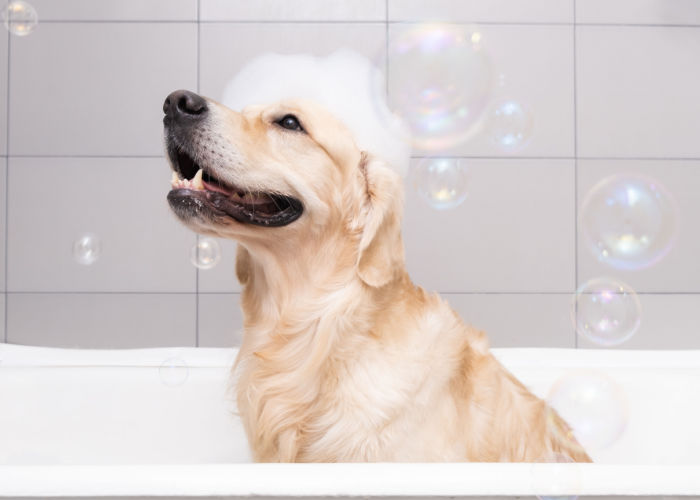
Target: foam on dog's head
345, 83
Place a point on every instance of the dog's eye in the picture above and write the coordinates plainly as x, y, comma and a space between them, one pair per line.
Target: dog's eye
289, 122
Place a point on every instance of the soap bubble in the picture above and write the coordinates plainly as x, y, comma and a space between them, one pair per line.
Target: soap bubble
206, 253
560, 475
606, 311
173, 372
510, 125
87, 249
441, 182
440, 82
629, 221
592, 404
20, 17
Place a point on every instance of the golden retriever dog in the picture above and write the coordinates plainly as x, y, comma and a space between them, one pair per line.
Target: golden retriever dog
343, 358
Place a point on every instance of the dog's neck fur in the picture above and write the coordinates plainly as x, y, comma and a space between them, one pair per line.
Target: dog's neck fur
297, 309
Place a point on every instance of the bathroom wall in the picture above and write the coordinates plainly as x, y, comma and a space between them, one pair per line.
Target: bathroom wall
612, 84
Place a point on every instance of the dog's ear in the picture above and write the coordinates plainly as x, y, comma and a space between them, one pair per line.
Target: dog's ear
242, 264
381, 254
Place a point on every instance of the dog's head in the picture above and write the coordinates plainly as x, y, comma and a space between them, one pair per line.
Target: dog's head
287, 173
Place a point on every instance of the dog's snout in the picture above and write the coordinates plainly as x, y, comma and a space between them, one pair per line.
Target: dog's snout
183, 104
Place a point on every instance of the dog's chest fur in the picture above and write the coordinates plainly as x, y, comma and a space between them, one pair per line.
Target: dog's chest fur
339, 391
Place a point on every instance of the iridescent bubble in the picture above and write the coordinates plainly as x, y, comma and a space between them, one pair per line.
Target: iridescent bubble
629, 221
440, 82
510, 125
87, 249
559, 479
173, 372
441, 182
593, 405
20, 18
606, 311
206, 253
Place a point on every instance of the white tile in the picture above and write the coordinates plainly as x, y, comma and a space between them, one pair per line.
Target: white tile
637, 91
97, 88
222, 277
53, 201
4, 36
3, 232
518, 320
299, 10
682, 12
514, 231
116, 10
666, 322
536, 65
219, 62
220, 320
678, 271
101, 321
476, 11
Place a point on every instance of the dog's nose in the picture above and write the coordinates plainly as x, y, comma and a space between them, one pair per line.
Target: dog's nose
183, 104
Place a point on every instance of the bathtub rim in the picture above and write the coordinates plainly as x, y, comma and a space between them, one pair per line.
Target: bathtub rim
344, 480
14, 355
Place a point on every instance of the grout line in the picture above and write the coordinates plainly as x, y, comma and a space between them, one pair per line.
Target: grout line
94, 292
232, 21
369, 21
415, 157
7, 173
587, 158
639, 158
199, 45
386, 50
575, 62
86, 156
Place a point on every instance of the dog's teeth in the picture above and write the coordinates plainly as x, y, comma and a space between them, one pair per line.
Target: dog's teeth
174, 180
197, 180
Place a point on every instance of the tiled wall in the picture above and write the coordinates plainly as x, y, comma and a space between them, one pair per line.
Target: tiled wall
613, 85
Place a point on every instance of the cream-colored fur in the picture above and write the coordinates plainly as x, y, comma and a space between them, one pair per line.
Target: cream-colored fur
343, 357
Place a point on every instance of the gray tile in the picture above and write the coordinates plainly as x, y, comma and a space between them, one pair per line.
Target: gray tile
116, 10
4, 37
222, 277
532, 65
220, 320
53, 201
98, 321
299, 10
476, 11
636, 91
97, 89
678, 270
2, 317
3, 232
666, 322
638, 11
514, 231
219, 62
518, 320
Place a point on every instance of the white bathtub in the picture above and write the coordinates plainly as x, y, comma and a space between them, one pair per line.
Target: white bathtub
103, 423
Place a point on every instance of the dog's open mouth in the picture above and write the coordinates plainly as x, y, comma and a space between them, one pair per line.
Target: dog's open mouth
195, 191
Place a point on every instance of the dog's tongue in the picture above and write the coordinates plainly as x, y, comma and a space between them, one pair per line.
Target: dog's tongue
198, 184
219, 189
